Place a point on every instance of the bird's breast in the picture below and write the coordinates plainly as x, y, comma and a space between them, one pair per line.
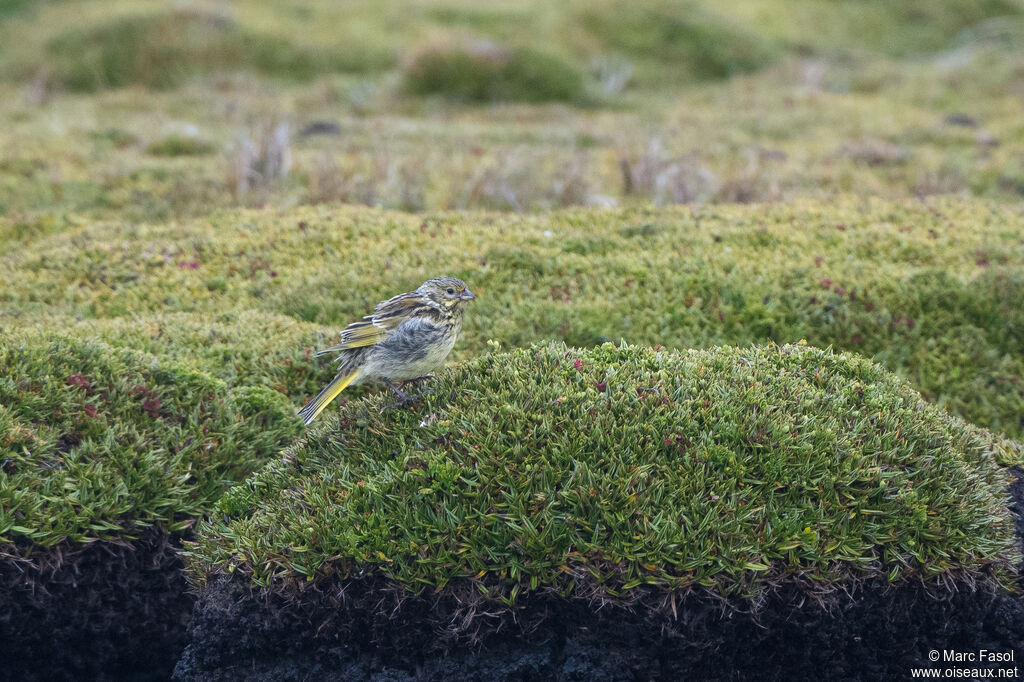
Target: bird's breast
415, 348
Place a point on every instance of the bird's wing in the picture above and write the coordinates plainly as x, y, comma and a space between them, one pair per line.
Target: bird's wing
388, 314
357, 335
402, 307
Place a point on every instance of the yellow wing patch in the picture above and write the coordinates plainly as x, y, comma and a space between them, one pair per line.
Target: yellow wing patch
373, 329
357, 335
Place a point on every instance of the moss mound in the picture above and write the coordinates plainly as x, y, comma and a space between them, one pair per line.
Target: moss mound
591, 473
247, 348
488, 73
693, 41
159, 50
911, 27
99, 442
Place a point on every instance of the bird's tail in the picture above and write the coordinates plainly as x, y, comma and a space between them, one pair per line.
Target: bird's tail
317, 404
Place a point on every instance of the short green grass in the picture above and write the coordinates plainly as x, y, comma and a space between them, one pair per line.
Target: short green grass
100, 442
591, 472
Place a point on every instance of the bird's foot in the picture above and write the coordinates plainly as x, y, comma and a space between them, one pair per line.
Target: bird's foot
404, 399
397, 391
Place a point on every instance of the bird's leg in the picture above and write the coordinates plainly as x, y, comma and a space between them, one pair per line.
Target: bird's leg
417, 380
397, 391
403, 399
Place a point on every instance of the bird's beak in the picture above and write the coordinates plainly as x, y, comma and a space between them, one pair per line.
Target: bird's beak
467, 295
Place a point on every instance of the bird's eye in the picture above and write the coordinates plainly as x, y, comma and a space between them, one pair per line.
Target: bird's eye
451, 291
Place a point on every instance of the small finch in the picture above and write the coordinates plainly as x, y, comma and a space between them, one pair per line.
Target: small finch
406, 338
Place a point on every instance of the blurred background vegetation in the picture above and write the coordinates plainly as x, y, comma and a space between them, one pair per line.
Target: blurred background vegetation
147, 109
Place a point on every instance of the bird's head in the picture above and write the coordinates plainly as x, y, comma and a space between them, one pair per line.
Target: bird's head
450, 293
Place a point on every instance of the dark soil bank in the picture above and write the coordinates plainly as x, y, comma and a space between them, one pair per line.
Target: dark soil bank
98, 612
875, 634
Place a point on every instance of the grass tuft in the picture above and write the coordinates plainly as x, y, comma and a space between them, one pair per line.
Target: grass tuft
258, 163
180, 145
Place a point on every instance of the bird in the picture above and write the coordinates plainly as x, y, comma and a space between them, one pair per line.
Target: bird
406, 338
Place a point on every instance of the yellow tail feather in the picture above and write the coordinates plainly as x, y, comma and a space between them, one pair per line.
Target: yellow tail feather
317, 404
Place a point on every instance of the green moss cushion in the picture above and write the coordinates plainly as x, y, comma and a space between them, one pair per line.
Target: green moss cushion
247, 347
593, 472
97, 441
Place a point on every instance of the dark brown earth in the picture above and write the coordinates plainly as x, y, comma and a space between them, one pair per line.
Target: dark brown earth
95, 612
